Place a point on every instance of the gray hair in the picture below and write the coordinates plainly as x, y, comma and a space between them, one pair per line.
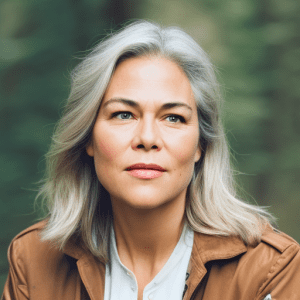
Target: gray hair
75, 200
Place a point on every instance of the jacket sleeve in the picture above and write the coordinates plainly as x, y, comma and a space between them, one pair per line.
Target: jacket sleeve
15, 287
283, 278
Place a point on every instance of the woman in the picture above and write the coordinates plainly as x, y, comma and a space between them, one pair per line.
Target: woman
139, 191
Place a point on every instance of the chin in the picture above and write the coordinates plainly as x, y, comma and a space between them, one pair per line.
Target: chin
144, 203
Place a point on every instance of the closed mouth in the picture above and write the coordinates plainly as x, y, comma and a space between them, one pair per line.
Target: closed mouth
142, 166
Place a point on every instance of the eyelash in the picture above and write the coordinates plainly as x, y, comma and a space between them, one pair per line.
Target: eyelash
182, 119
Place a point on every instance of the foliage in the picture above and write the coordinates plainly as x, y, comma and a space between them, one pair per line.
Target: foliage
254, 44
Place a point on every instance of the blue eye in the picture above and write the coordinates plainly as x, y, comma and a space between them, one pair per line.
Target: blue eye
182, 120
126, 116
124, 113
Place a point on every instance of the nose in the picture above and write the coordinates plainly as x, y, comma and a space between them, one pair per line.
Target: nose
147, 135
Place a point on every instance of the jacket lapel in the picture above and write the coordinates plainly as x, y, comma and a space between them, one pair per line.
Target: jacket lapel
92, 273
90, 268
208, 248
205, 248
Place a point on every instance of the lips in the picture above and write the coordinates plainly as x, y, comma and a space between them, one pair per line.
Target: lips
146, 166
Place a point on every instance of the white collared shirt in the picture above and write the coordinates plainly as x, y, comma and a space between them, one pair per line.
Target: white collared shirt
120, 282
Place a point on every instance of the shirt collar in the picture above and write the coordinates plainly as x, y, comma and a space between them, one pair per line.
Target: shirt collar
205, 248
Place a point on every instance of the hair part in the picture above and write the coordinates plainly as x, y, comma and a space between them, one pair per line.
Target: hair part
74, 199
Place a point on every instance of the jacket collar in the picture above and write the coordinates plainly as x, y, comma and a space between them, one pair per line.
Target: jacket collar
75, 248
212, 247
90, 268
205, 248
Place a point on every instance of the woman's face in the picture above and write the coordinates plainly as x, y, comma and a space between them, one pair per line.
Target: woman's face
145, 131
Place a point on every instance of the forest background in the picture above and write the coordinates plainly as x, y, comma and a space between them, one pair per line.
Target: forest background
254, 44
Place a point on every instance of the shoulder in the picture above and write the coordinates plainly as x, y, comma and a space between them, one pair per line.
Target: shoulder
28, 239
31, 231
39, 269
274, 244
27, 250
278, 240
273, 261
31, 260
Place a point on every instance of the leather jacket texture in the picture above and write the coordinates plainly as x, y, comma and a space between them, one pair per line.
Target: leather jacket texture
220, 268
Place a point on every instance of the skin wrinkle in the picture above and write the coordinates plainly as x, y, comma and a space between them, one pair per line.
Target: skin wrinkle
135, 104
148, 214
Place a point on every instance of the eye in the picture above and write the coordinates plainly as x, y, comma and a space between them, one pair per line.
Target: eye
176, 117
126, 114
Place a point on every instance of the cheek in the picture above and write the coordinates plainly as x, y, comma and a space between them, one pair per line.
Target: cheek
106, 149
185, 151
105, 156
108, 143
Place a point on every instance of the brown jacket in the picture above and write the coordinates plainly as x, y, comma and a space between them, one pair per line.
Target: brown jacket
221, 268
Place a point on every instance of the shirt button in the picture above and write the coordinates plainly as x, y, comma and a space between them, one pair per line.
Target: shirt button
133, 288
150, 297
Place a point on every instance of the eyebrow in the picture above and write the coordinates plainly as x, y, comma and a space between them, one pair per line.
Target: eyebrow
135, 104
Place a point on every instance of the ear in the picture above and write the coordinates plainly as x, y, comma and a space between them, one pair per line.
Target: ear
90, 148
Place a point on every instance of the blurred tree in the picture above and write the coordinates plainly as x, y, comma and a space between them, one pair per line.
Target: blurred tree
281, 132
38, 41
254, 44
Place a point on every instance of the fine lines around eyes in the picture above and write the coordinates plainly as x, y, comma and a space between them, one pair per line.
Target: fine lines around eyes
178, 117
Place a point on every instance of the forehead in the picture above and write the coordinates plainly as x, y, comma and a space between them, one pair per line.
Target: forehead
150, 79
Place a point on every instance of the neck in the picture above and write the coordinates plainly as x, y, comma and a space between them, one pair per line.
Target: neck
147, 237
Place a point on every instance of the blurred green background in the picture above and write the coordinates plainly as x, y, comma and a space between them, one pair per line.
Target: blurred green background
255, 45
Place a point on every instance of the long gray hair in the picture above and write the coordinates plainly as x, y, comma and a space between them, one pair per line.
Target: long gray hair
75, 200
